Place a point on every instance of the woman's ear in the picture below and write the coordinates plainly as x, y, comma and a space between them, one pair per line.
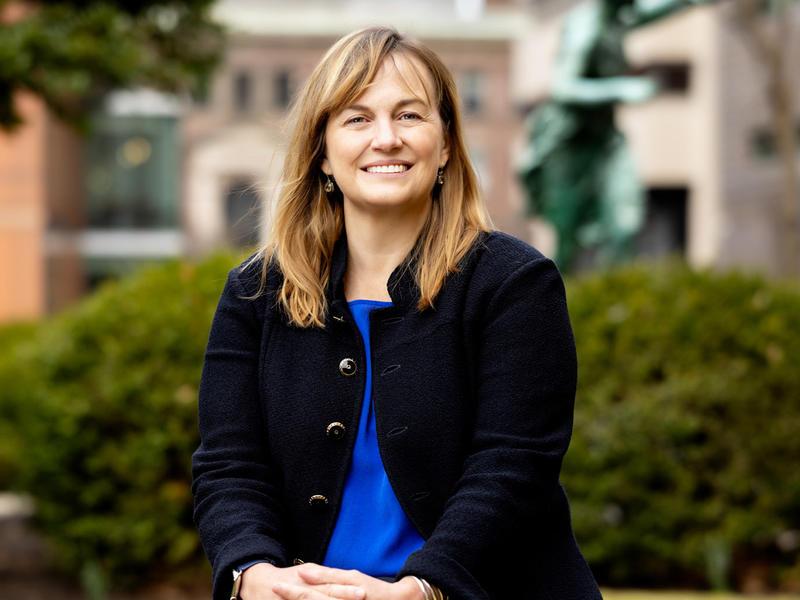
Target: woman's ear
443, 158
444, 155
326, 167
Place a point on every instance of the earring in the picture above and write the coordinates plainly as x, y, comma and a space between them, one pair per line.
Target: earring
329, 184
440, 176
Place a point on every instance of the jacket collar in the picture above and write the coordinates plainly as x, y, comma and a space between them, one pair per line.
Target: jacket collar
402, 286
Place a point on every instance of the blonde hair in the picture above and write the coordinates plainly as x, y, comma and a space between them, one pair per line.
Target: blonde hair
308, 221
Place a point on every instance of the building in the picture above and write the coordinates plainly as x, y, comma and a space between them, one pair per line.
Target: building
40, 183
40, 190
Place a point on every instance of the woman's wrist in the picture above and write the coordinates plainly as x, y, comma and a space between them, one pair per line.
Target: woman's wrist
410, 588
430, 591
254, 568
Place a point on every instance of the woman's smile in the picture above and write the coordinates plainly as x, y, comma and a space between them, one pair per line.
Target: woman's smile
390, 169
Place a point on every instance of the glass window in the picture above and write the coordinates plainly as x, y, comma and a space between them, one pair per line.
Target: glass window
664, 230
282, 86
672, 78
132, 172
201, 92
242, 92
472, 83
763, 144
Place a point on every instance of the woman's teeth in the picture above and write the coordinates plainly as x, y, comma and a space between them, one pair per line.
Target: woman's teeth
388, 169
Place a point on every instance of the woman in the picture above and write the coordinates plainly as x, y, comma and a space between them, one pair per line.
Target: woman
388, 387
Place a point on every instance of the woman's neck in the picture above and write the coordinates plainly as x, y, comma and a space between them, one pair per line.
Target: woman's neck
375, 247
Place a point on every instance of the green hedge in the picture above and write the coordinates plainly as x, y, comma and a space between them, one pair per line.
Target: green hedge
16, 377
107, 401
685, 461
682, 469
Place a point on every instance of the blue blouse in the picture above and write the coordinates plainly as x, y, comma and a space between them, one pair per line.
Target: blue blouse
372, 533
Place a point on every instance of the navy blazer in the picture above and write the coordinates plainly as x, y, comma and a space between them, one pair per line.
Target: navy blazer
473, 404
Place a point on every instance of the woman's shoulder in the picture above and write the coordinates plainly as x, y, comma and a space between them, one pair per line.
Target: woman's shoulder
510, 272
498, 254
248, 274
505, 266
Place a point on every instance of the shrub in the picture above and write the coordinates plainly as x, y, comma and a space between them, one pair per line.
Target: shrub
16, 379
684, 462
110, 423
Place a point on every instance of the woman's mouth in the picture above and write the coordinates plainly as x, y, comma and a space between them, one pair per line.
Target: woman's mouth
388, 169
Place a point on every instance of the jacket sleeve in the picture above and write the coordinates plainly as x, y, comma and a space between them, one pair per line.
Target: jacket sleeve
526, 379
237, 507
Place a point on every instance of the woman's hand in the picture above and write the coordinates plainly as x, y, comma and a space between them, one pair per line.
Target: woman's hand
259, 580
317, 576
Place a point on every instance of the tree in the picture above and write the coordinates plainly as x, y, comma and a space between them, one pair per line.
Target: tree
767, 28
69, 53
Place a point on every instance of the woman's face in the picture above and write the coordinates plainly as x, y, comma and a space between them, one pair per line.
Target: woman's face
385, 149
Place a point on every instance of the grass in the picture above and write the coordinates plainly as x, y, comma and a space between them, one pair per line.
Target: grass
677, 595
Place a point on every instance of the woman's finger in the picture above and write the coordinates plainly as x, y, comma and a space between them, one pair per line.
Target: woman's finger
338, 590
322, 574
289, 591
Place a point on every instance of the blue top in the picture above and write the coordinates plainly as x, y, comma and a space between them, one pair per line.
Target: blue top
372, 533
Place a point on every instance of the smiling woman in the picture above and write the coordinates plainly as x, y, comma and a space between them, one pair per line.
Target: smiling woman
388, 386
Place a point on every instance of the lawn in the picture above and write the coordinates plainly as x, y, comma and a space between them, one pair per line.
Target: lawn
673, 595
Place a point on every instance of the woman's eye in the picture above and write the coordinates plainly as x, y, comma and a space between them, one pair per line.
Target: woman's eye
412, 115
353, 120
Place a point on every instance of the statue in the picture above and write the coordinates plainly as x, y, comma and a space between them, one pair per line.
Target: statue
577, 169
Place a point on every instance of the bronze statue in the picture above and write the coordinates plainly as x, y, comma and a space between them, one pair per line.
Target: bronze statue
577, 169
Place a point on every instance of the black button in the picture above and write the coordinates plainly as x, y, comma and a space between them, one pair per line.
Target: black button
318, 500
335, 430
347, 367
298, 561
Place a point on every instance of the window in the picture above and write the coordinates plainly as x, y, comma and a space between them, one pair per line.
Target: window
242, 92
201, 92
282, 88
242, 212
664, 229
472, 83
671, 77
132, 172
763, 144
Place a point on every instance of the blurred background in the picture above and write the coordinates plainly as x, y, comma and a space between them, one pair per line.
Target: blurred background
141, 146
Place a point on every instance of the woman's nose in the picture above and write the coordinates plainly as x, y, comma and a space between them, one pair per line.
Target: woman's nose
385, 135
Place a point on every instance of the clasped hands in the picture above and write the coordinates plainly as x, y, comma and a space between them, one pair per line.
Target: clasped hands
310, 581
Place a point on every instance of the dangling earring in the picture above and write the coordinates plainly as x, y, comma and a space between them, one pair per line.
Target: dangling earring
328, 184
440, 176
